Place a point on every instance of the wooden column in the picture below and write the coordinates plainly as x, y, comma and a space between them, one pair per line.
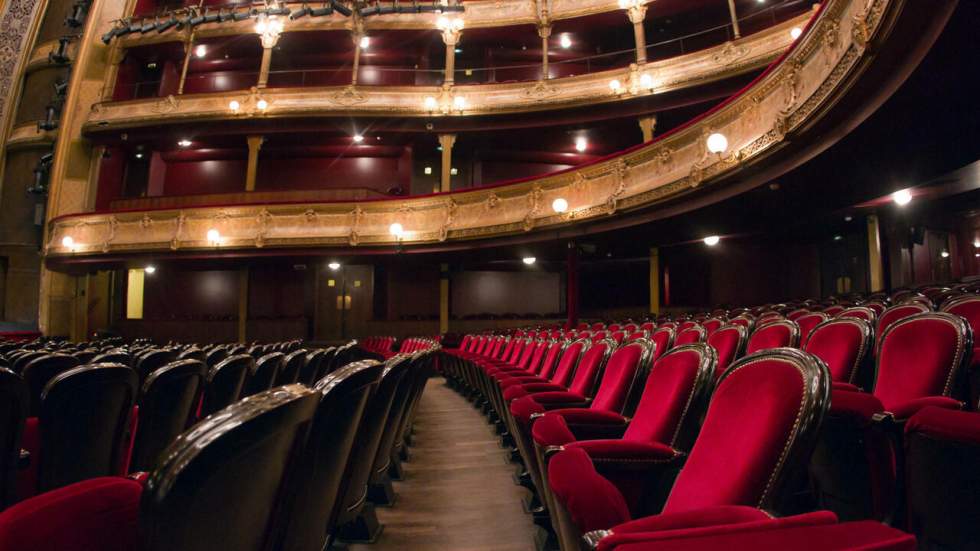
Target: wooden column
731, 10
357, 58
189, 47
269, 41
445, 179
450, 37
242, 305
254, 145
572, 286
876, 271
544, 31
654, 280
647, 125
637, 14
443, 299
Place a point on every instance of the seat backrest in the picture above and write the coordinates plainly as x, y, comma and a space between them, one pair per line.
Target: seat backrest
311, 365
570, 356
114, 356
354, 489
311, 501
774, 334
685, 325
550, 360
167, 404
860, 312
537, 357
691, 335
713, 324
216, 487
965, 306
149, 362
663, 339
843, 344
796, 314
214, 356
326, 363
291, 366
876, 306
263, 377
920, 356
674, 397
225, 382
759, 430
524, 361
192, 353
39, 371
84, 416
590, 367
729, 345
623, 378
808, 321
21, 361
893, 314
13, 412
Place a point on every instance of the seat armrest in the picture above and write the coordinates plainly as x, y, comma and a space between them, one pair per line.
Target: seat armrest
589, 424
903, 411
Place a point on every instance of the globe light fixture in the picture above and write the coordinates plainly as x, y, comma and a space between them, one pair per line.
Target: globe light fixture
529, 260
559, 205
201, 50
711, 240
334, 265
262, 104
150, 269
581, 144
214, 236
396, 229
902, 197
67, 242
795, 32
234, 105
717, 143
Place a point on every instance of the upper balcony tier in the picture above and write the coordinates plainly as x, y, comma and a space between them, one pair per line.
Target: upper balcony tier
223, 83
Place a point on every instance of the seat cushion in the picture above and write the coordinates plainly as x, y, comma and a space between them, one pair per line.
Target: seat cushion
709, 516
908, 409
593, 503
551, 430
858, 406
100, 514
937, 422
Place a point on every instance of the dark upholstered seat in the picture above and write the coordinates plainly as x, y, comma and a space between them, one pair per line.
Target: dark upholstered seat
39, 371
308, 516
225, 382
84, 418
728, 474
264, 375
167, 404
292, 364
13, 413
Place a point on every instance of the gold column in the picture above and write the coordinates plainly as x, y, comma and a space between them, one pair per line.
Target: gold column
356, 37
269, 41
636, 14
876, 270
544, 31
446, 141
731, 10
254, 145
189, 46
242, 304
654, 280
443, 298
451, 38
647, 125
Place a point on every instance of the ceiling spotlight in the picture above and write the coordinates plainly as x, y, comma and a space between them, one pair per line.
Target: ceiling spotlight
334, 265
201, 50
430, 103
67, 242
358, 138
262, 104
396, 229
795, 32
234, 105
529, 260
717, 143
711, 240
976, 244
428, 170
559, 205
581, 144
139, 155
565, 41
214, 236
184, 143
365, 42
848, 218
902, 197
838, 237
944, 254
615, 85
150, 269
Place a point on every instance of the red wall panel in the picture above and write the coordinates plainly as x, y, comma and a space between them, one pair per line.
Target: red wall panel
215, 176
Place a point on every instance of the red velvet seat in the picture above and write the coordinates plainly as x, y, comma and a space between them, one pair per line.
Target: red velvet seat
691, 335
843, 344
893, 314
810, 532
968, 308
808, 321
713, 324
780, 333
729, 344
663, 340
942, 449
669, 412
860, 312
920, 363
776, 398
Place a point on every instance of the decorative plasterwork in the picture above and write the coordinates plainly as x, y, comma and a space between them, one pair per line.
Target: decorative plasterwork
756, 123
688, 70
488, 13
16, 19
28, 135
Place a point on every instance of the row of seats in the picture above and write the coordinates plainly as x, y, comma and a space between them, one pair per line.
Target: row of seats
635, 411
302, 465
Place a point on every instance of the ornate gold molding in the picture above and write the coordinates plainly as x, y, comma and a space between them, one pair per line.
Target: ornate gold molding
794, 93
28, 135
688, 70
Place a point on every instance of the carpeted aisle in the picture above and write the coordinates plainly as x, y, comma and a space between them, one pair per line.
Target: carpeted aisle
458, 492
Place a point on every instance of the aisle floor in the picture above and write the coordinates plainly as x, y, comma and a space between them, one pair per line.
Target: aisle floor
458, 492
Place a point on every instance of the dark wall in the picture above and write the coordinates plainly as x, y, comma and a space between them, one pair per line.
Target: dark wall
212, 176
525, 292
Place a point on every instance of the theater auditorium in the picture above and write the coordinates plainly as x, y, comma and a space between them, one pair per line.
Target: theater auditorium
489, 275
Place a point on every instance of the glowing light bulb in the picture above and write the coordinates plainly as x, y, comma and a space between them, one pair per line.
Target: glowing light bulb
581, 144
150, 269
358, 138
529, 260
559, 205
646, 81
214, 236
184, 143
459, 102
717, 143
711, 240
396, 229
201, 50
944, 254
334, 266
67, 242
262, 104
795, 32
234, 105
902, 197
365, 42
430, 103
615, 85
565, 41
